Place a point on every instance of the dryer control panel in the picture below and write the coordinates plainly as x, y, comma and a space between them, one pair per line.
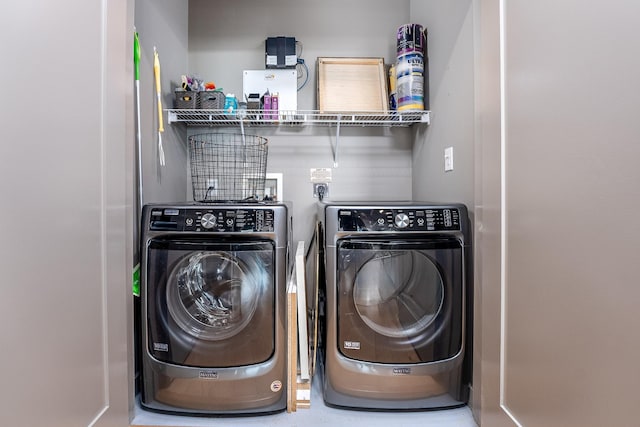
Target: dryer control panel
421, 219
212, 220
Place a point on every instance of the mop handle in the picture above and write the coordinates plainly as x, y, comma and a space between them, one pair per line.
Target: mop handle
156, 72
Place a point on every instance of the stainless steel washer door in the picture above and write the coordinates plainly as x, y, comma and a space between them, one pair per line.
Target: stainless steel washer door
210, 303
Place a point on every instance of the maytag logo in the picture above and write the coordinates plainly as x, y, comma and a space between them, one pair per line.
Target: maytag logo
401, 371
352, 345
159, 346
208, 375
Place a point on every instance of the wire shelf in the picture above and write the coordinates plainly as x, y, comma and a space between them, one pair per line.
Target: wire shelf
299, 118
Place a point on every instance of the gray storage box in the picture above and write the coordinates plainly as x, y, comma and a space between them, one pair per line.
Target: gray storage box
185, 99
211, 100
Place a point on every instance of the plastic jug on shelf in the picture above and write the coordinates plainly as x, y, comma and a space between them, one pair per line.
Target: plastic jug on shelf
230, 104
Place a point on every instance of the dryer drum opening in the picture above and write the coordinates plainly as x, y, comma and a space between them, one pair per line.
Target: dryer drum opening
398, 293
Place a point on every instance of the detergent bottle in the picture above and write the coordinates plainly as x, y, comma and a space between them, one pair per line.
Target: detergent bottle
230, 104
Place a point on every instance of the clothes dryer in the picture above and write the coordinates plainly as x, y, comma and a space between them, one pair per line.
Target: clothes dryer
396, 305
214, 308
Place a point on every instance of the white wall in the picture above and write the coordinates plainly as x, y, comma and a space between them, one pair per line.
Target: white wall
557, 205
226, 37
450, 42
163, 24
66, 217
571, 194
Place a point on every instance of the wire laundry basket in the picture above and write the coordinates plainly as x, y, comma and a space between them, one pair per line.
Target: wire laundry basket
227, 167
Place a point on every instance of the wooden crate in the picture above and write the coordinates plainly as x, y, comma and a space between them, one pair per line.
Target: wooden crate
352, 84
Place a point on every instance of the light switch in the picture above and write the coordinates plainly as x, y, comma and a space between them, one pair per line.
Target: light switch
448, 159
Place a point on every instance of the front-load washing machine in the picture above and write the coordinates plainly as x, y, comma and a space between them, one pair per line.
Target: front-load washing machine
213, 293
396, 305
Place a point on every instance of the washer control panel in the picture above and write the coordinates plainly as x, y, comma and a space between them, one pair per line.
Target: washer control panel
207, 219
422, 219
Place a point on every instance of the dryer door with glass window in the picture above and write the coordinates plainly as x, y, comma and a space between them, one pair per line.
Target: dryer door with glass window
400, 301
210, 304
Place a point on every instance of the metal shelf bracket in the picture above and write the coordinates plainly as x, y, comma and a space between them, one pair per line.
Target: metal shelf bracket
335, 148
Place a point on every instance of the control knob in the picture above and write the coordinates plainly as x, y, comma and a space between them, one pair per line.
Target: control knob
208, 221
402, 220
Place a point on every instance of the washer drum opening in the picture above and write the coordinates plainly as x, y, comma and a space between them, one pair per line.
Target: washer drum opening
213, 295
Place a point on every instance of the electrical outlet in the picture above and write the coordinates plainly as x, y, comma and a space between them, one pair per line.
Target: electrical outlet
320, 190
448, 159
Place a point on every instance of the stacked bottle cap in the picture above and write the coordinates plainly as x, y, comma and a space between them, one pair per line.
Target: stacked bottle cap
411, 67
